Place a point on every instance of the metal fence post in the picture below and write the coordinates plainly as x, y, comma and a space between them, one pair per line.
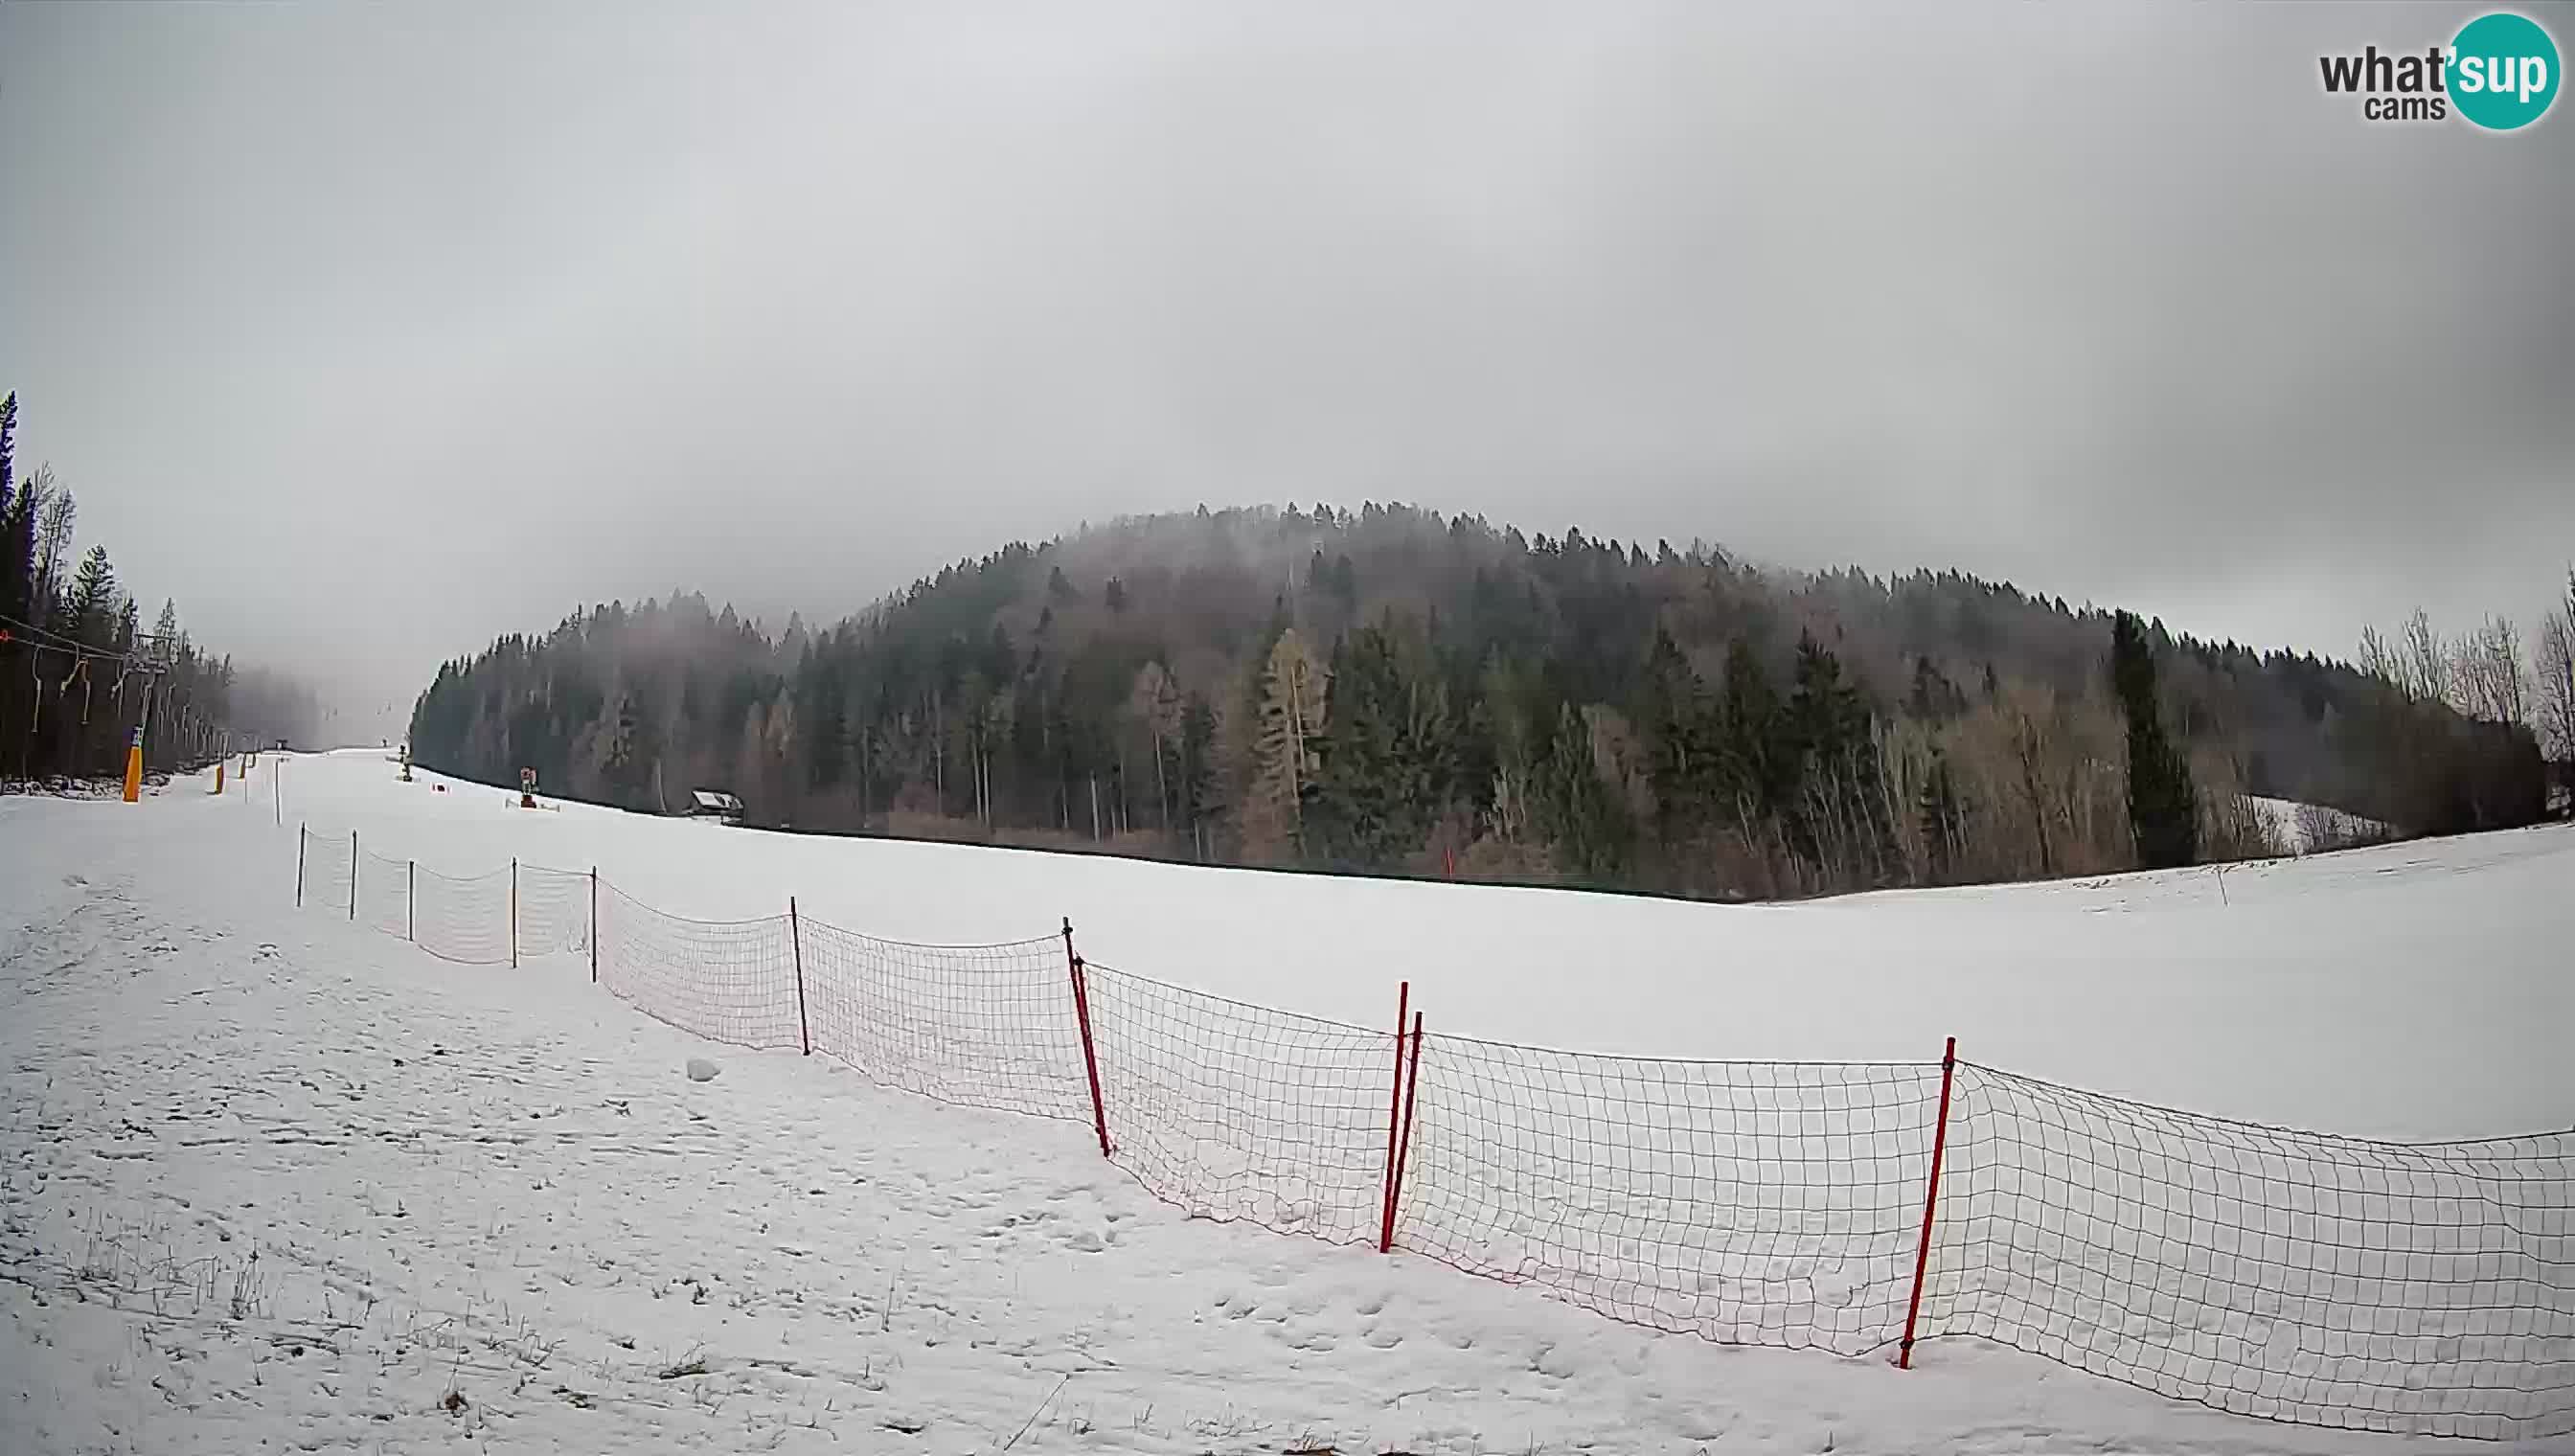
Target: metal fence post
795, 941
1082, 1014
1393, 1114
1930, 1201
1403, 1148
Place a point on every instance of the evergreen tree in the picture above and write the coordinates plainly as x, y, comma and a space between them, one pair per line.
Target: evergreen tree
2163, 809
1672, 710
1194, 785
1932, 699
627, 769
1387, 759
1755, 766
1826, 718
89, 611
1838, 816
1345, 582
1579, 815
18, 551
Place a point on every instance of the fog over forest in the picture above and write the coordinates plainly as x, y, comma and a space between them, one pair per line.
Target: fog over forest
361, 344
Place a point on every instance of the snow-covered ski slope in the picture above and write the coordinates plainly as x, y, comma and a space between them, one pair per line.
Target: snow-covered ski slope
2411, 991
502, 1185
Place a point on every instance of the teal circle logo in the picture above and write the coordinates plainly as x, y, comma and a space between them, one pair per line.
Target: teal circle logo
2504, 71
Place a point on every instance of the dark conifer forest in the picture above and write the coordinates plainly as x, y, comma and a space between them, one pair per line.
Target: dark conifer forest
1394, 691
80, 668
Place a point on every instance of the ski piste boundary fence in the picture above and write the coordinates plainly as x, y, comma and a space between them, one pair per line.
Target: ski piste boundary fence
1853, 1207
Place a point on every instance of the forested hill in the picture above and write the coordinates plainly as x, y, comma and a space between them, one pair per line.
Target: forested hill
1394, 689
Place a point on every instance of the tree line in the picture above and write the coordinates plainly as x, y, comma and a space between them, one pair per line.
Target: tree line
79, 671
1390, 689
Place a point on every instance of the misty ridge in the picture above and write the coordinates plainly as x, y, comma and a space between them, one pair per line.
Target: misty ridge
80, 674
1393, 690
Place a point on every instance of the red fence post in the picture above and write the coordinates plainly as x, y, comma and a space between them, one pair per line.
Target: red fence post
353, 875
1394, 1110
1930, 1201
594, 925
1081, 1013
1403, 1147
796, 940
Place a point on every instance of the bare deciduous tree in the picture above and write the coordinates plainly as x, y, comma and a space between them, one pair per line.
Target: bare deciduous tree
55, 509
2556, 686
2425, 660
2231, 825
1156, 703
2487, 676
1283, 746
2319, 828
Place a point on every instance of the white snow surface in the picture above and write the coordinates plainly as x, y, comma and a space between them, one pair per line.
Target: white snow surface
272, 1180
2413, 990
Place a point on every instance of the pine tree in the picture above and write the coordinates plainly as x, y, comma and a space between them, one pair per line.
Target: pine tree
627, 768
1672, 710
1196, 785
2163, 809
1755, 766
1346, 583
89, 611
18, 553
1934, 699
1386, 760
1838, 819
1826, 715
1581, 817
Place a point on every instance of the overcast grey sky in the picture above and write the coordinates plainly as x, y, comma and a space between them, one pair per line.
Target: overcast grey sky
370, 332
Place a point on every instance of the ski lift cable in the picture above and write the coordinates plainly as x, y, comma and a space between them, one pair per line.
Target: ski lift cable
40, 638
